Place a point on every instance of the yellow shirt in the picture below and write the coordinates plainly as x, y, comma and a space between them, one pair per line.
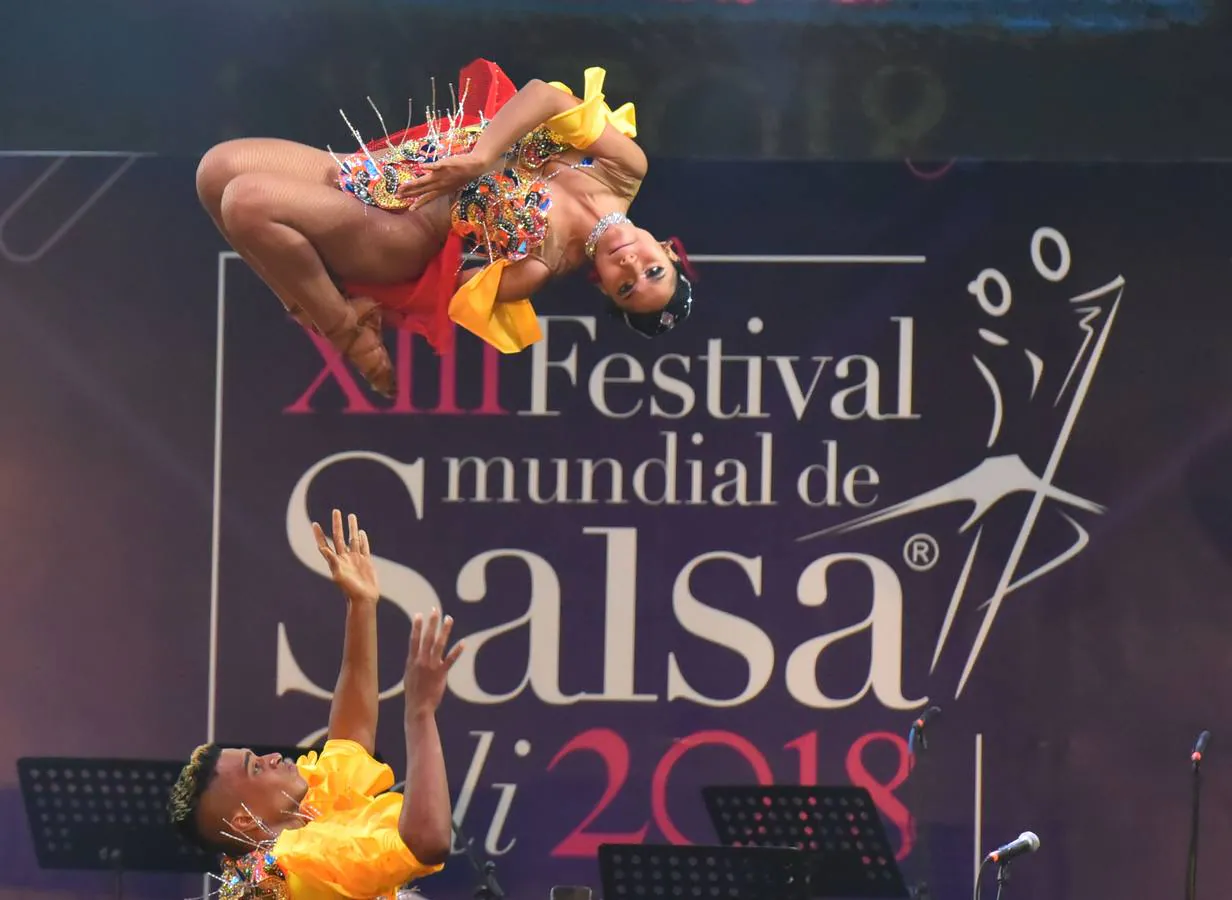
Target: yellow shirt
351, 849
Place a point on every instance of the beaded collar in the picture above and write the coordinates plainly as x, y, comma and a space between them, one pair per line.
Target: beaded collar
596, 233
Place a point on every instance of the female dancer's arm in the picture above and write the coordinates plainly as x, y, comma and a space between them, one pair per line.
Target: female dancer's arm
529, 108
534, 105
518, 280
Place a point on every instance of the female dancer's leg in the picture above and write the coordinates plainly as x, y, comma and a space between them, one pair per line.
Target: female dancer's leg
295, 233
224, 162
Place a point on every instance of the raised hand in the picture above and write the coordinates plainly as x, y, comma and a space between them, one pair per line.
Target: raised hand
428, 663
350, 562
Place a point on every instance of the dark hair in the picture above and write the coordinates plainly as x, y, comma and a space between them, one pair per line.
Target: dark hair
675, 311
184, 803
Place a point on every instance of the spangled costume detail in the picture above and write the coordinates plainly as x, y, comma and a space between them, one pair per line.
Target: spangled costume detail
502, 216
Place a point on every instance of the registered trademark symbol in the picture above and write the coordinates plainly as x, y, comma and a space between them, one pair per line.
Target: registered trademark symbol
921, 552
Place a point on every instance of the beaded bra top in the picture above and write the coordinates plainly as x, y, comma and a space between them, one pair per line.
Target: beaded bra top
504, 213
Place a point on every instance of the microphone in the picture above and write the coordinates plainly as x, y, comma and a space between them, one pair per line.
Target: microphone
1200, 748
927, 716
918, 726
1027, 842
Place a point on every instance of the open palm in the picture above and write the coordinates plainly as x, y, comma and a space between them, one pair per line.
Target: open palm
429, 661
350, 562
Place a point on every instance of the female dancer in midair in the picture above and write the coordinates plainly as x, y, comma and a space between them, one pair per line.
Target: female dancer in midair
459, 221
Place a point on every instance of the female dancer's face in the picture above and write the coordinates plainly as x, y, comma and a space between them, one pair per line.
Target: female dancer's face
634, 269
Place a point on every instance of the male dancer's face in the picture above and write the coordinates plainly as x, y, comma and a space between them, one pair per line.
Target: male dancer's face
252, 796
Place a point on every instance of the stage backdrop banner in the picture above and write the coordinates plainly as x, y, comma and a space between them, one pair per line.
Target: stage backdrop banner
847, 489
953, 438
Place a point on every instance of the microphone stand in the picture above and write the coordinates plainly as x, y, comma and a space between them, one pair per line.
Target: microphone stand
1191, 880
1003, 877
487, 888
917, 744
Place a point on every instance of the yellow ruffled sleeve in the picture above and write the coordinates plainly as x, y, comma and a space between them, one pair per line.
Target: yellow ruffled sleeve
342, 776
359, 857
582, 125
351, 848
510, 326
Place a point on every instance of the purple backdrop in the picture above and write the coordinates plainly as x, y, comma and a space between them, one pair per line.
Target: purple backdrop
958, 441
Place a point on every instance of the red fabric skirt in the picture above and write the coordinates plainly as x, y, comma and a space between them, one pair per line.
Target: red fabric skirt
422, 304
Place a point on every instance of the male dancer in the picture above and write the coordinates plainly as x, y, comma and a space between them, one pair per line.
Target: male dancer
322, 828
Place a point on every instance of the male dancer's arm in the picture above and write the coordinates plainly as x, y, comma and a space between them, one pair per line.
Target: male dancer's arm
426, 822
353, 713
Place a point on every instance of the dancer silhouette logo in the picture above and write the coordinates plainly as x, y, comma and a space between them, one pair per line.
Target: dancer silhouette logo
999, 476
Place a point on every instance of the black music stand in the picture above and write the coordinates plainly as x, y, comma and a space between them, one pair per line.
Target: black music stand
668, 872
837, 828
105, 815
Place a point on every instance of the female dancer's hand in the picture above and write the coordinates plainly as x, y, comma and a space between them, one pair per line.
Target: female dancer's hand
443, 177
